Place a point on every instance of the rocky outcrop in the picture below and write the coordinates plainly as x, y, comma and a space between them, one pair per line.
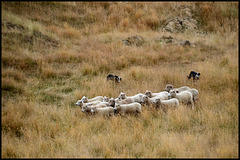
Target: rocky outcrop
134, 40
184, 22
180, 25
174, 41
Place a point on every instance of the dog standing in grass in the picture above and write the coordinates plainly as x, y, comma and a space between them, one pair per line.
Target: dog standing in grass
193, 74
114, 78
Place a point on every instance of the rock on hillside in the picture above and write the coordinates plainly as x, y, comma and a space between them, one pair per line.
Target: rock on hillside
134, 40
174, 41
181, 23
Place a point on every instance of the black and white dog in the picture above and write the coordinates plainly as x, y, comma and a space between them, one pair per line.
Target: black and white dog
114, 78
194, 74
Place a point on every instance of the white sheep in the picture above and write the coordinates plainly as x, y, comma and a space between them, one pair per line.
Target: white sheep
81, 103
180, 89
122, 95
168, 87
194, 93
113, 101
86, 100
89, 106
192, 90
105, 111
149, 101
137, 97
105, 99
126, 99
166, 104
184, 97
150, 94
128, 108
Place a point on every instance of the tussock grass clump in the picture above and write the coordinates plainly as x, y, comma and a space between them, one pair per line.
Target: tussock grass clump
14, 116
10, 85
218, 12
48, 71
24, 63
64, 57
68, 32
15, 74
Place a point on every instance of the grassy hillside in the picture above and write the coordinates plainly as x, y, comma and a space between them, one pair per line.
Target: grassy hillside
53, 53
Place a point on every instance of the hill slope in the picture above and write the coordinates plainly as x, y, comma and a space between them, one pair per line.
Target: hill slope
53, 53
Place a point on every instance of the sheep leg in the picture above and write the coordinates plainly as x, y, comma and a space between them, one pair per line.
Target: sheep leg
192, 104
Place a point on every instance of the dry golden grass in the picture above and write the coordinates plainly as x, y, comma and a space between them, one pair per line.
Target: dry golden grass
41, 83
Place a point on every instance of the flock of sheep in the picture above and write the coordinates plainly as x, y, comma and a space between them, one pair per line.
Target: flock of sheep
170, 98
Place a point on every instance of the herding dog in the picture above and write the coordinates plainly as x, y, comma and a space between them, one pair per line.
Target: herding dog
114, 78
194, 74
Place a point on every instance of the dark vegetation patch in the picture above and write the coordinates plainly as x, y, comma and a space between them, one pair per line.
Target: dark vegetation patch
9, 85
23, 63
35, 41
10, 25
50, 98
